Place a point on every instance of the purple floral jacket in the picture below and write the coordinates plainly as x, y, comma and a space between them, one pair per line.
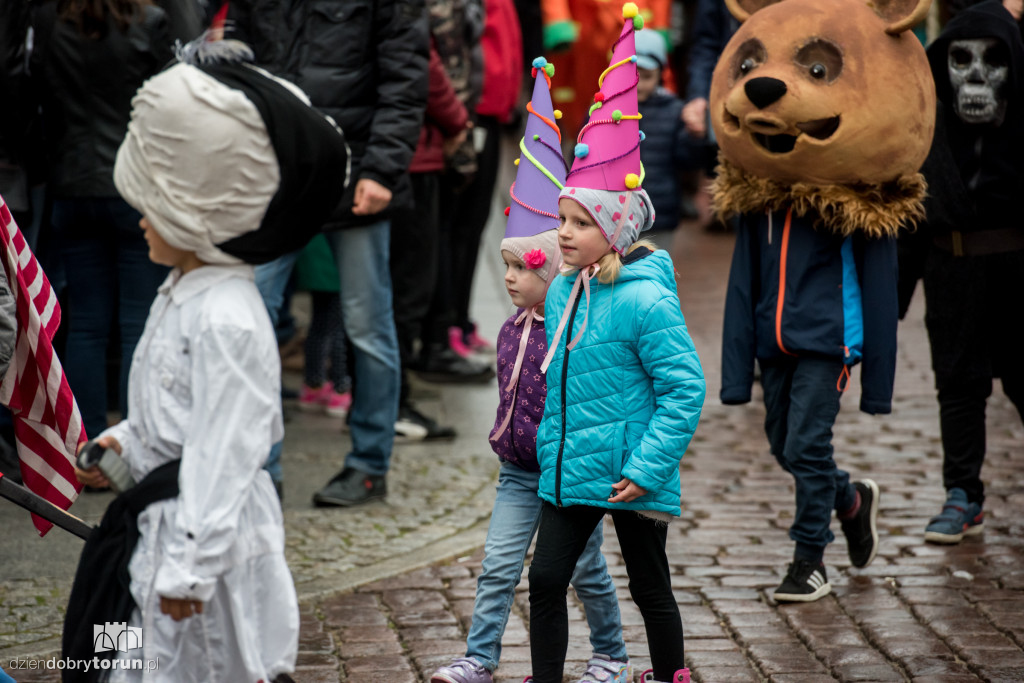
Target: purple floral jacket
518, 444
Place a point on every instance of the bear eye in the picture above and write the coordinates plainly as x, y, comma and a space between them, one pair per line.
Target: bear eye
750, 55
822, 59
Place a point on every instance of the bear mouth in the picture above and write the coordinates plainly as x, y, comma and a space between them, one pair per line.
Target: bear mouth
783, 143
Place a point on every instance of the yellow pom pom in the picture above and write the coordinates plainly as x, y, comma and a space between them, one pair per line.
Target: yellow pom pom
558, 113
516, 162
632, 180
629, 10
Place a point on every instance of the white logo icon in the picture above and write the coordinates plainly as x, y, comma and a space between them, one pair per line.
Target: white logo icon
116, 636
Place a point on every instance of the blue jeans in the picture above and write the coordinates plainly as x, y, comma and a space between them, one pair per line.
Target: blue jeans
362, 255
110, 279
514, 523
272, 280
802, 401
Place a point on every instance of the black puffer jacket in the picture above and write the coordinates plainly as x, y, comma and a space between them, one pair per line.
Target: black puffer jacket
362, 62
85, 86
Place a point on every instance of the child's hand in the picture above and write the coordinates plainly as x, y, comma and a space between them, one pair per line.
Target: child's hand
179, 609
92, 476
625, 491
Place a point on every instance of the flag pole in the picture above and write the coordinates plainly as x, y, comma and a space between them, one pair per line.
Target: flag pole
21, 496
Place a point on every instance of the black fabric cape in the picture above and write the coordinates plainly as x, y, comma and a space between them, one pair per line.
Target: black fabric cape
100, 592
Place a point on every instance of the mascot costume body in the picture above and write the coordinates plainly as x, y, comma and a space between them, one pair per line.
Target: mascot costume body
824, 112
970, 250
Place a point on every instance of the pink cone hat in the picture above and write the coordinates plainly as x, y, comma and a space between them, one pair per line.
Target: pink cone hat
608, 147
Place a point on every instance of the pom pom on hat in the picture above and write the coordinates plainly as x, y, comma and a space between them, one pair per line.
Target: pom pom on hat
612, 133
581, 150
540, 170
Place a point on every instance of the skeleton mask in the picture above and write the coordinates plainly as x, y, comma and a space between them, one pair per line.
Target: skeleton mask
978, 71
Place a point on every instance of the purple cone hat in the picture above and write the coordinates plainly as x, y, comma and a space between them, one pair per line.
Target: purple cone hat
540, 177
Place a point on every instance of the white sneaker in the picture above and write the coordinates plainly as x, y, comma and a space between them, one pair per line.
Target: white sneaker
604, 669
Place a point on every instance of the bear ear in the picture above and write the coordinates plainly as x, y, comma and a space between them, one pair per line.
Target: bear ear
742, 9
901, 14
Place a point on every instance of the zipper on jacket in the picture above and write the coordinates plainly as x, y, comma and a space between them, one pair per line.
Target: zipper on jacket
781, 298
565, 372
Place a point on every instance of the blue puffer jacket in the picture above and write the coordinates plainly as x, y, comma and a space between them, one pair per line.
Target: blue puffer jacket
634, 389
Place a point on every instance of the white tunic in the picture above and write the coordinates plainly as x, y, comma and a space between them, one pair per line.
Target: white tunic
205, 387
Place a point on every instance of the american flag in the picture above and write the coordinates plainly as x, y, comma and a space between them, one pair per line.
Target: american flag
47, 424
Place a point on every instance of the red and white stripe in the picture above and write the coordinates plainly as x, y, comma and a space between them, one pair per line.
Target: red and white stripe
47, 424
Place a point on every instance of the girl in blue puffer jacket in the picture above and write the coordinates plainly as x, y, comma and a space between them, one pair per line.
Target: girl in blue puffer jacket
625, 390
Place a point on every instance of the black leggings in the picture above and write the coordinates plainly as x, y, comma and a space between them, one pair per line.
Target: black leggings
560, 541
962, 423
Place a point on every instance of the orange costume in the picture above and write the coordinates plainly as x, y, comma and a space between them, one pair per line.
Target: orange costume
589, 27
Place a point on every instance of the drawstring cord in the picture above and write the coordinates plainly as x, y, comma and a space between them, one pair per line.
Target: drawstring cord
583, 278
844, 379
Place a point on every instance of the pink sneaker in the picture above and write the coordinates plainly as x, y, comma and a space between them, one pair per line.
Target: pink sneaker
456, 343
478, 343
338, 404
314, 399
680, 676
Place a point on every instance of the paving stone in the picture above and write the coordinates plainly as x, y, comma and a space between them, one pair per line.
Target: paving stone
727, 674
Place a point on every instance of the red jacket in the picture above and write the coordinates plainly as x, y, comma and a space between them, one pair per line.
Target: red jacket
445, 117
502, 43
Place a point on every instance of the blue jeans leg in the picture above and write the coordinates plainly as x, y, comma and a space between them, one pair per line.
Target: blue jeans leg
514, 522
802, 401
365, 280
109, 277
271, 280
138, 280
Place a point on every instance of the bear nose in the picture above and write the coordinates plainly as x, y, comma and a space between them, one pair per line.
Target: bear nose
763, 91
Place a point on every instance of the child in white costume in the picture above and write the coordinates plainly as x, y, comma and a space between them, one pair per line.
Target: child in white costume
212, 591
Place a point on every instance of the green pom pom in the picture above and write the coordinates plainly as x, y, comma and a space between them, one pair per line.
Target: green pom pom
536, 137
549, 69
616, 116
638, 23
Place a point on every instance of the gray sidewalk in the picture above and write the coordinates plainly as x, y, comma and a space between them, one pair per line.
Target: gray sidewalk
387, 588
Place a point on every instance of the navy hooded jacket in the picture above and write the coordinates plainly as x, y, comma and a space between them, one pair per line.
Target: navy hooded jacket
800, 290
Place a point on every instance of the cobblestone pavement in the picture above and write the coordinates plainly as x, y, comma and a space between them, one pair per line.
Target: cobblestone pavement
387, 589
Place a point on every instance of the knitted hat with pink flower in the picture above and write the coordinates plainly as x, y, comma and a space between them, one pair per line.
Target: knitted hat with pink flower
532, 229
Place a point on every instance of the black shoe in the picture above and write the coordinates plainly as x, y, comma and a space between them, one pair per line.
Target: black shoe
805, 582
412, 425
444, 366
351, 487
861, 530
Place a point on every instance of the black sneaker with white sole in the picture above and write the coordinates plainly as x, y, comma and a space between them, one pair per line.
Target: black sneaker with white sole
412, 425
861, 530
805, 582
